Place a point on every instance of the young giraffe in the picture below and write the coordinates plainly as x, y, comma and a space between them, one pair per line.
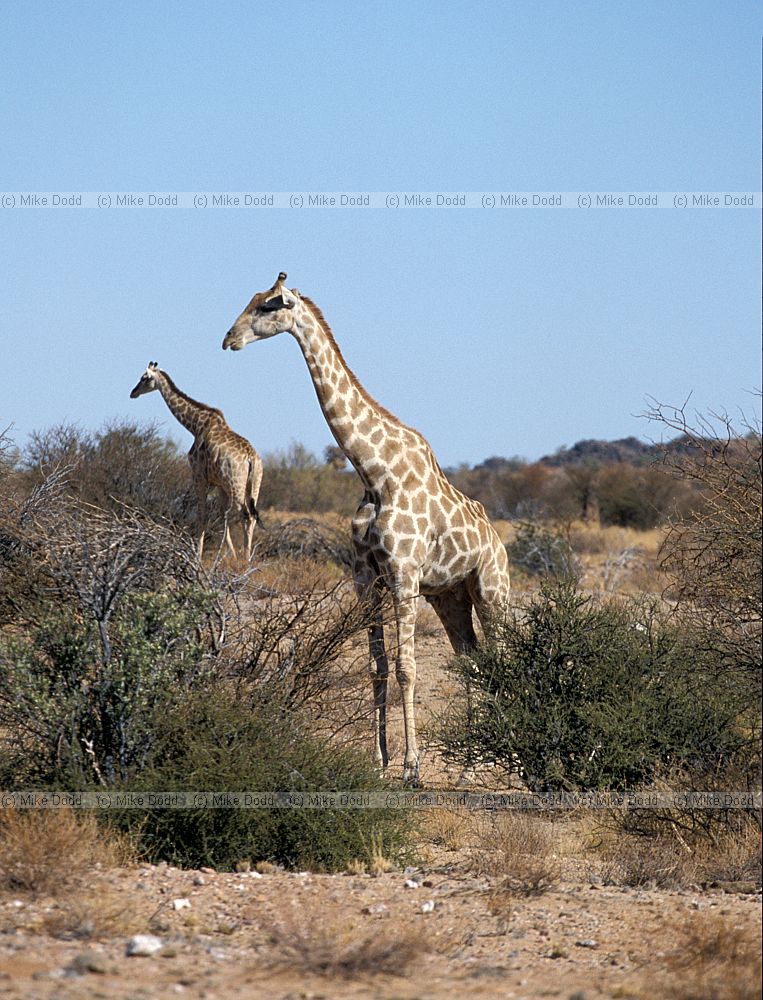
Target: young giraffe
414, 532
218, 457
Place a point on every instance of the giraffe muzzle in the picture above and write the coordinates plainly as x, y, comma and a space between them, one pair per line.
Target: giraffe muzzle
232, 340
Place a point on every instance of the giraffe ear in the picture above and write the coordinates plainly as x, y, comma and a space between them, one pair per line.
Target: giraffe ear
283, 301
289, 299
273, 304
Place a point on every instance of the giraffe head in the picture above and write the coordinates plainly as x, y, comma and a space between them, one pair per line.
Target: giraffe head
268, 313
148, 381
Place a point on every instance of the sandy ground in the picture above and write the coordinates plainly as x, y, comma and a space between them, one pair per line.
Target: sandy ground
270, 936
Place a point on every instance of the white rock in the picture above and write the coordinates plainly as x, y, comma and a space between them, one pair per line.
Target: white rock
181, 904
375, 908
142, 945
428, 906
411, 883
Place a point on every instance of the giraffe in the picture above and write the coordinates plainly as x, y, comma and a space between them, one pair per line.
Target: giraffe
413, 533
218, 457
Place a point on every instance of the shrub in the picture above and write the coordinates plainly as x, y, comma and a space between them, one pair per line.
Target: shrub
305, 538
228, 739
713, 557
295, 480
123, 463
541, 550
639, 497
305, 644
50, 851
114, 617
69, 715
576, 694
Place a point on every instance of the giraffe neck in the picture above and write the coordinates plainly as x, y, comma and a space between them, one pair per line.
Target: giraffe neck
360, 425
194, 416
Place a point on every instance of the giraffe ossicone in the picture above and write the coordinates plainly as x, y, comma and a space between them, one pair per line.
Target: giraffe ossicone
414, 533
218, 457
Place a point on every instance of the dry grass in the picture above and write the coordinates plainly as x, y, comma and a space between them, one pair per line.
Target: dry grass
733, 855
714, 960
375, 862
450, 828
311, 943
294, 575
378, 862
589, 538
96, 914
49, 851
621, 560
612, 559
672, 858
518, 849
655, 861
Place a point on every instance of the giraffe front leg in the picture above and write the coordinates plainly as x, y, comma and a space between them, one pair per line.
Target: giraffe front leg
379, 676
368, 590
405, 671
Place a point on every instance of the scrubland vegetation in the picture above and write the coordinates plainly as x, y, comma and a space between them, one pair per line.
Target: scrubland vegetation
631, 658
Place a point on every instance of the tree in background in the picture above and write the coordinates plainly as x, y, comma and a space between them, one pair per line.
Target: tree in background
297, 480
123, 463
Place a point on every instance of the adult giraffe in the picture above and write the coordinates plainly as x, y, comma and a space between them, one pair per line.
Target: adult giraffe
414, 532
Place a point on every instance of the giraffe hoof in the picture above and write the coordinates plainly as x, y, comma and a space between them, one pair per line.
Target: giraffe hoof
411, 776
467, 778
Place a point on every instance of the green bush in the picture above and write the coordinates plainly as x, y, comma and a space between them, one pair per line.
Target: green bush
219, 740
68, 713
577, 694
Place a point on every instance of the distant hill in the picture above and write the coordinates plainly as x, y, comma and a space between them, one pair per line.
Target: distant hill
628, 449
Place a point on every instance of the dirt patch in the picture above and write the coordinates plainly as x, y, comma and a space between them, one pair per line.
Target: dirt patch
306, 935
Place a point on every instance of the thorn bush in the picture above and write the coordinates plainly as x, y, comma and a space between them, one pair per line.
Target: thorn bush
577, 693
220, 740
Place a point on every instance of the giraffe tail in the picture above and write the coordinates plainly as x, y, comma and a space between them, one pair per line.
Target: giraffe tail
252, 490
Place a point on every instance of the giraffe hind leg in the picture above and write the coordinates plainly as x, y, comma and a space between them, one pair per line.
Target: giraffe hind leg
249, 522
454, 609
201, 515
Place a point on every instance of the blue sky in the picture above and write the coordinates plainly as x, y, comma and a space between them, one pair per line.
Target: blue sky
492, 332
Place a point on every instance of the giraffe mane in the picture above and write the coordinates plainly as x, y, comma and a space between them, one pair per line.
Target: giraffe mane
317, 313
195, 402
